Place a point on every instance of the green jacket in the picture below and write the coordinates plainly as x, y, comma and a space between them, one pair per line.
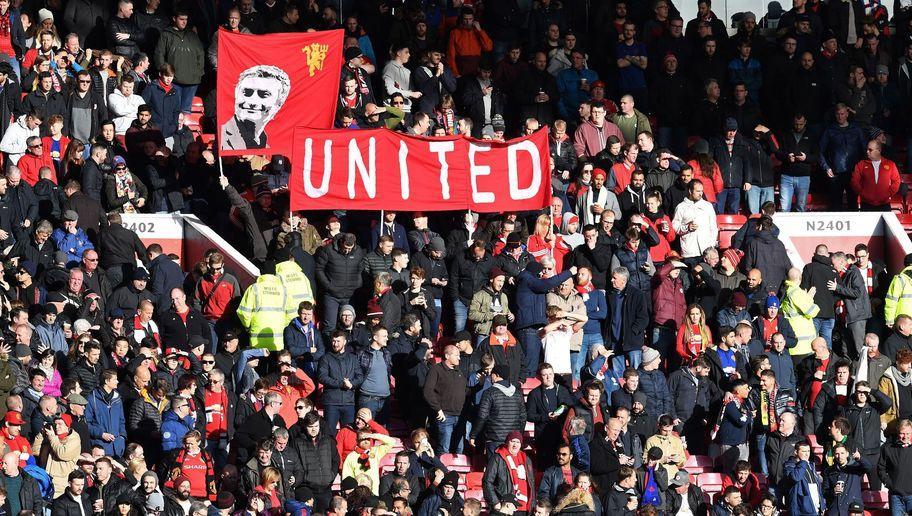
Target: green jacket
898, 300
184, 51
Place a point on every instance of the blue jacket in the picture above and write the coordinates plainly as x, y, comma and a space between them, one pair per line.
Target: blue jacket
734, 427
400, 236
799, 495
551, 481
571, 96
596, 310
784, 367
726, 317
432, 504
297, 344
841, 148
530, 298
165, 275
173, 430
72, 245
655, 387
850, 475
750, 73
52, 335
106, 417
165, 107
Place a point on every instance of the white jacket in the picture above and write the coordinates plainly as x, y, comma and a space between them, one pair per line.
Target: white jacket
13, 142
693, 243
123, 110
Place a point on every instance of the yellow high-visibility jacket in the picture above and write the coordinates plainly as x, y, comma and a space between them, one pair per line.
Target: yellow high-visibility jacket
799, 308
899, 296
262, 312
297, 287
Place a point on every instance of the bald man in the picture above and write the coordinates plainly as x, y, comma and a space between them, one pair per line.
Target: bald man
607, 455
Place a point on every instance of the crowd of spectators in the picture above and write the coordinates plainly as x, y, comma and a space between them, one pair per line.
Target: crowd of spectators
604, 356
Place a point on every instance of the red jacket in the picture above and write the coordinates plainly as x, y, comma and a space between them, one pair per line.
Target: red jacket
668, 298
711, 187
347, 438
29, 165
750, 491
214, 303
659, 251
877, 193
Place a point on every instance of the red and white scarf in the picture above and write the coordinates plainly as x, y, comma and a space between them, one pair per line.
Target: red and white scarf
517, 467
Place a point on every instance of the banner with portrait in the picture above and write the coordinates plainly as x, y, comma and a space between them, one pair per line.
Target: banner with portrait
270, 84
379, 169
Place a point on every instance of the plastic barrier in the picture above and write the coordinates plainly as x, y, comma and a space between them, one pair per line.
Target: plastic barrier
188, 238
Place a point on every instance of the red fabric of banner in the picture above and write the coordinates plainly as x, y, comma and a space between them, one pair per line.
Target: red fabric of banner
268, 85
380, 169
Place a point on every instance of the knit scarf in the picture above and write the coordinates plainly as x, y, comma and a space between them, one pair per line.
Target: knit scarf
364, 459
903, 379
585, 289
123, 186
516, 465
768, 410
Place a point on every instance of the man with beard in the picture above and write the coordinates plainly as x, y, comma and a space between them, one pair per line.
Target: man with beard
74, 499
259, 95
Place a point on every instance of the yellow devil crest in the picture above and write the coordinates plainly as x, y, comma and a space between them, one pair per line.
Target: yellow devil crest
316, 54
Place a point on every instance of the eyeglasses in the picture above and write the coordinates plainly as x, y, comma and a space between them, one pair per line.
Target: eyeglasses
37, 145
208, 362
300, 407
91, 259
85, 81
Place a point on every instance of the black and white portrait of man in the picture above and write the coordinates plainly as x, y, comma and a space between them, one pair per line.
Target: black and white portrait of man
260, 93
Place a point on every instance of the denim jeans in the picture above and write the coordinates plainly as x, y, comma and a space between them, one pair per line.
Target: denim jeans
900, 505
375, 404
590, 340
532, 347
435, 324
461, 315
331, 307
728, 201
663, 341
187, 92
796, 186
218, 450
674, 138
338, 414
824, 329
760, 444
635, 358
756, 196
446, 430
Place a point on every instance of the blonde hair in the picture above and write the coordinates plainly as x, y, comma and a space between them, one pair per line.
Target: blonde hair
576, 496
269, 475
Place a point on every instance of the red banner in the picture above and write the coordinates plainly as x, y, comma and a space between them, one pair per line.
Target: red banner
380, 169
268, 85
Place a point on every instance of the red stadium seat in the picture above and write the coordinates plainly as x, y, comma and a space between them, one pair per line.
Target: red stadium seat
197, 105
875, 499
735, 221
530, 384
387, 463
473, 480
456, 462
696, 464
708, 480
476, 494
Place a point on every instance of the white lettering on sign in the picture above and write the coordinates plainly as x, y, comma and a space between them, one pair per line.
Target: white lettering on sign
441, 148
309, 188
517, 193
368, 173
828, 225
403, 170
479, 170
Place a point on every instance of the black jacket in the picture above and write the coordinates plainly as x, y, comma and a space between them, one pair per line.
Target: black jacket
445, 389
254, 428
110, 492
806, 142
129, 46
498, 481
176, 333
539, 405
29, 493
767, 253
865, 422
734, 165
338, 274
692, 396
893, 468
319, 461
779, 449
598, 259
634, 319
118, 245
604, 462
817, 274
65, 505
468, 276
501, 411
